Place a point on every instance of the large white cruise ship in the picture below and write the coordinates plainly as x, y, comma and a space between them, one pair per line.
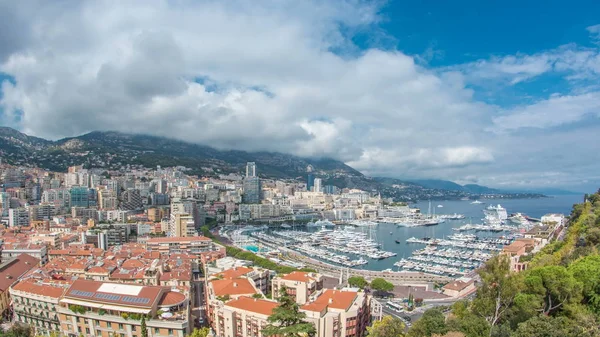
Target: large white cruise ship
496, 212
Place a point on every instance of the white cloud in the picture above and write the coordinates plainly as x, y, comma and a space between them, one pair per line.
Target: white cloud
595, 32
555, 111
263, 76
131, 67
574, 62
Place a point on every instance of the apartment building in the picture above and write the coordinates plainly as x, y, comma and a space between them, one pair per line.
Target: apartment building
300, 285
339, 313
35, 302
242, 317
182, 224
101, 309
260, 277
12, 250
42, 212
18, 217
219, 291
233, 310
190, 245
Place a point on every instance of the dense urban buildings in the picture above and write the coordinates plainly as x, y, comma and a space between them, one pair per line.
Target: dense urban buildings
90, 252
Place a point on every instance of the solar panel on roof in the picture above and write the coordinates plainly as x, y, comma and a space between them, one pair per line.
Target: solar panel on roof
136, 300
110, 297
82, 293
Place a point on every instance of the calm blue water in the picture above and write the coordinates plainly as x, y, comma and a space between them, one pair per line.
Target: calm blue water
388, 233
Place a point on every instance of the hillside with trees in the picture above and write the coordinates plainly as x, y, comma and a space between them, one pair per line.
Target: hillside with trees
557, 296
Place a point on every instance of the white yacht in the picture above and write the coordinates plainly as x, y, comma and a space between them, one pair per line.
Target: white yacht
519, 220
477, 202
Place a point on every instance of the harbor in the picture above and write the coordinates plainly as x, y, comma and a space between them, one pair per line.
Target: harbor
465, 237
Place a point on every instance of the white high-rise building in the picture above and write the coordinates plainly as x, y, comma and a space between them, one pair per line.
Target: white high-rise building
18, 217
71, 179
251, 169
318, 186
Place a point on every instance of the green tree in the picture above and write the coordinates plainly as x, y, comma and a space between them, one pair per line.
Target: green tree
470, 325
287, 320
388, 327
17, 330
548, 326
143, 327
202, 332
555, 286
497, 291
358, 281
432, 322
593, 236
381, 285
587, 271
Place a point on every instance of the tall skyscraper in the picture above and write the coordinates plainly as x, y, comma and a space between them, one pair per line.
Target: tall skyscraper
251, 190
310, 181
80, 196
251, 169
317, 185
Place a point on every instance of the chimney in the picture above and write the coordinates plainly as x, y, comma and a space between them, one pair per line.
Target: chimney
234, 284
331, 300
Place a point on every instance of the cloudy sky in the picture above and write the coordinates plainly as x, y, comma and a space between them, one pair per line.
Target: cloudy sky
458, 90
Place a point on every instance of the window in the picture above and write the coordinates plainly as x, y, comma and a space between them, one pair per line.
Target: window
156, 330
87, 331
120, 326
133, 328
170, 332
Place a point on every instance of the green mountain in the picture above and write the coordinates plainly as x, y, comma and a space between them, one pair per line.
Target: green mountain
115, 150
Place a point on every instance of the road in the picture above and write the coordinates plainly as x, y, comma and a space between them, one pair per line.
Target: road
198, 305
402, 316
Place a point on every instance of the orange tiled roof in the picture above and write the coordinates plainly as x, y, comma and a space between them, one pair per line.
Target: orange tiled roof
259, 306
234, 272
232, 287
98, 270
458, 285
297, 276
333, 299
133, 263
37, 288
16, 268
171, 298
